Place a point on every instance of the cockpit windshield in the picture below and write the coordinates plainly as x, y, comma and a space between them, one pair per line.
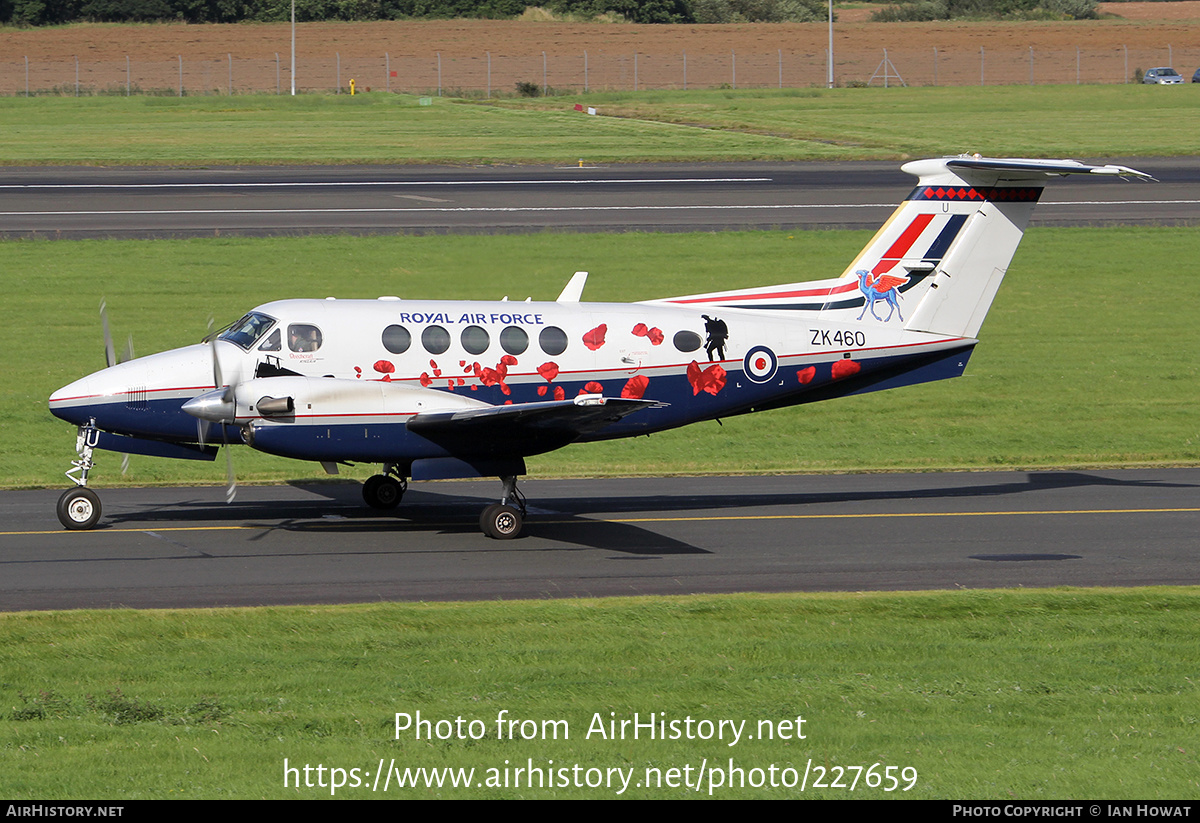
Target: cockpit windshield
248, 330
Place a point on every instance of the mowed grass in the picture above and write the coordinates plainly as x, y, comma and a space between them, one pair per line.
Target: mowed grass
1085, 359
1027, 695
702, 125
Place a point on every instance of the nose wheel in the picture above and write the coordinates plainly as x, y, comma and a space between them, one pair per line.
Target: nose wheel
79, 508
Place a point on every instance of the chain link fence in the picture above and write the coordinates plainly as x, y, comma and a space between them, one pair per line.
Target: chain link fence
490, 75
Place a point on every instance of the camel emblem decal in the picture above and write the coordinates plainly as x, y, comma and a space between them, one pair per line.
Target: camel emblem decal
884, 287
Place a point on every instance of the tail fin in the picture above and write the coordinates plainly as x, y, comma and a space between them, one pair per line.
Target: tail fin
986, 206
944, 250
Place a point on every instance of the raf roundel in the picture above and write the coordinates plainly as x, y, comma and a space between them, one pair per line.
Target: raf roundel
760, 364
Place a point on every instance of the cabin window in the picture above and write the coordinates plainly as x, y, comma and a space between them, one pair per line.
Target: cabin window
475, 339
435, 339
687, 340
514, 340
273, 343
396, 339
304, 337
553, 340
248, 330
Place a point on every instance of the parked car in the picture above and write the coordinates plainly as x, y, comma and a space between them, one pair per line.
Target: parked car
1162, 76
1196, 76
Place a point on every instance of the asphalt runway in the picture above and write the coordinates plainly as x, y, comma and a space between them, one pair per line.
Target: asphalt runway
320, 544
133, 202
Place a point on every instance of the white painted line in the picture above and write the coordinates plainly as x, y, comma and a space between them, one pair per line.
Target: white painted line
343, 184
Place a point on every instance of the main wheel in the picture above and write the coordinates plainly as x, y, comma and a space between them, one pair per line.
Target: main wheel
501, 522
382, 491
79, 508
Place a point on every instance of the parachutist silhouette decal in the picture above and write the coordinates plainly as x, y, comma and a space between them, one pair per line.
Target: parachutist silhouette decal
717, 333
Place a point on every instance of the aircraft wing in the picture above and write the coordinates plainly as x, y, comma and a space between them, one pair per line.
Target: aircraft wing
522, 429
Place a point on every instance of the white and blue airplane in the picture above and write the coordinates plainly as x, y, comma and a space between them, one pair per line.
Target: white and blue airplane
436, 389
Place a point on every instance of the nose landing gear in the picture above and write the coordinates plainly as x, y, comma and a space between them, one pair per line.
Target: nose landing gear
79, 508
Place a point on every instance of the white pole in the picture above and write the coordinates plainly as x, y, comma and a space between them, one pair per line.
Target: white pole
585, 73
293, 48
830, 53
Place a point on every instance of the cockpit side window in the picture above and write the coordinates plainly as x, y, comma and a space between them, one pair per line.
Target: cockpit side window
273, 343
248, 330
304, 337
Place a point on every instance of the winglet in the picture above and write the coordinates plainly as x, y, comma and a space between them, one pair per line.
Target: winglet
574, 288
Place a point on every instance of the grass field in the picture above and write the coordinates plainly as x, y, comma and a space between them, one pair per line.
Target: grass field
788, 124
1020, 696
1079, 363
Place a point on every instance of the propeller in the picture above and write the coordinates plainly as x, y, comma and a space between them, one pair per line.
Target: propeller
110, 358
217, 406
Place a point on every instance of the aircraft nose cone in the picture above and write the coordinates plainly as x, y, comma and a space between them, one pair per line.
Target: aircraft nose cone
214, 406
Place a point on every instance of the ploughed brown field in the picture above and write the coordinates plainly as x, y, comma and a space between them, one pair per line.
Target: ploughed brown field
478, 55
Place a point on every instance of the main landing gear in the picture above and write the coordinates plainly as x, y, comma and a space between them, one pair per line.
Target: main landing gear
383, 491
501, 521
79, 508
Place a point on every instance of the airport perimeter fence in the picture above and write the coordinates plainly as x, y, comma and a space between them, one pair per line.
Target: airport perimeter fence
488, 75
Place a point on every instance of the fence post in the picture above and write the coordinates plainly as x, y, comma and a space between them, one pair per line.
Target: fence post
181, 75
338, 55
585, 73
935, 65
27, 75
489, 73
1125, 79
77, 75
685, 69
635, 77
981, 65
1077, 65
780, 58
230, 73
733, 66
1031, 65
545, 87
127, 83
439, 56
387, 71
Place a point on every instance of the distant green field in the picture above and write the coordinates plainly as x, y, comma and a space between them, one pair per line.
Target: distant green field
694, 126
1081, 362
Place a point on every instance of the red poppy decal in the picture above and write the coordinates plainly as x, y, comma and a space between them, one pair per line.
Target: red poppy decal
595, 338
549, 371
655, 334
593, 388
542, 391
357, 371
559, 394
384, 367
635, 387
711, 380
508, 360
425, 380
805, 376
433, 364
845, 368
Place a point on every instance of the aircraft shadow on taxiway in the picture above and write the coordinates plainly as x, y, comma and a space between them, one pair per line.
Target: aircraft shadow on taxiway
336, 508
